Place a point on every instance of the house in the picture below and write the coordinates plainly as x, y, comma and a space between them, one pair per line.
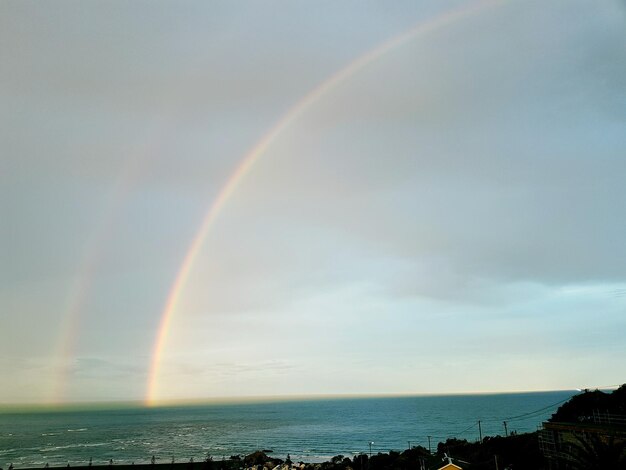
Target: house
565, 442
450, 466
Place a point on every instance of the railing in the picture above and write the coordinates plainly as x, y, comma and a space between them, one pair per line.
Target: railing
608, 419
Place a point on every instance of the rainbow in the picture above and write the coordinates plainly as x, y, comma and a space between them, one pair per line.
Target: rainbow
253, 155
142, 150
83, 285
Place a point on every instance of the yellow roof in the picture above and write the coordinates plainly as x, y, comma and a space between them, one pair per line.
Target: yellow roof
450, 466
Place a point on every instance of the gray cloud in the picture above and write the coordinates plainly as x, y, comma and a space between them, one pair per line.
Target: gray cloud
521, 181
462, 181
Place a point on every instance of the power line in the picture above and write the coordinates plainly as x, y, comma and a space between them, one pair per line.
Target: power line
465, 430
540, 410
520, 417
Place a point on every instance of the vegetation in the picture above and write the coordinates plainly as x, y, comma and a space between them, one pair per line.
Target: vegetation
519, 451
581, 408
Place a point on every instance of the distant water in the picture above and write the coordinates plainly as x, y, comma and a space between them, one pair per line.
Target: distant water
311, 431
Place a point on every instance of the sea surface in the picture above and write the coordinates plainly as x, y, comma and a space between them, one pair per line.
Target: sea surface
308, 430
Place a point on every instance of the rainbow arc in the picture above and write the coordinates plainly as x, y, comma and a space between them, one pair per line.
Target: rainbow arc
259, 149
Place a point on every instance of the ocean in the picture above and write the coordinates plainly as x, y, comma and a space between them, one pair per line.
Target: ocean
308, 430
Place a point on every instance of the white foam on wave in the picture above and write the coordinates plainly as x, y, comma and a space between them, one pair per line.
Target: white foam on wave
72, 446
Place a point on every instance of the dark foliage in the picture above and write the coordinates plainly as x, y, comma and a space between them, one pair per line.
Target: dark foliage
260, 458
580, 408
520, 452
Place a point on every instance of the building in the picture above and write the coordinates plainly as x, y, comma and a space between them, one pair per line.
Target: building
567, 445
450, 466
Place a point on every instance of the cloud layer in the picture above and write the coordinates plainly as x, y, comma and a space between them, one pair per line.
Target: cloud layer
465, 188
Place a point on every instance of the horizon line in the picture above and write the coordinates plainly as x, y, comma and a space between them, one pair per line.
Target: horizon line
260, 399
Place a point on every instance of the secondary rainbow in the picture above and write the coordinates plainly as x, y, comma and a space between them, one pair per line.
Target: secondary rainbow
143, 149
251, 157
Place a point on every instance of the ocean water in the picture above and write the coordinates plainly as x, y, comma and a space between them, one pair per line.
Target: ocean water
311, 430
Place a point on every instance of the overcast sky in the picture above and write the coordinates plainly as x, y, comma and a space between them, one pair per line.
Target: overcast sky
449, 218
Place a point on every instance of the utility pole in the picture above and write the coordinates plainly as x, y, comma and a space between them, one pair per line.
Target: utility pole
496, 459
429, 444
506, 430
409, 444
480, 432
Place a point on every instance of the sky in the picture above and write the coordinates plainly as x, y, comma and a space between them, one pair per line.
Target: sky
438, 206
